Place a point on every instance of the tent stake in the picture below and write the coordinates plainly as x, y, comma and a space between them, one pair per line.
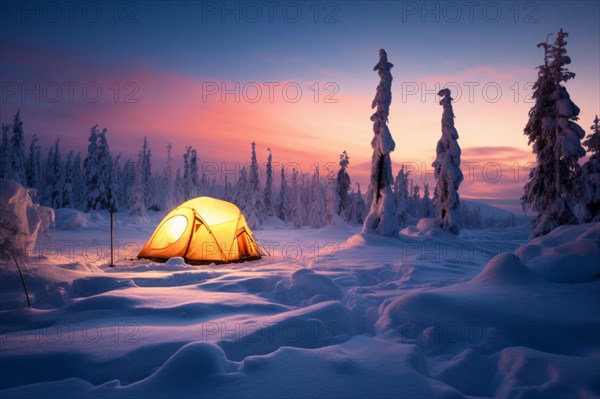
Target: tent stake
22, 280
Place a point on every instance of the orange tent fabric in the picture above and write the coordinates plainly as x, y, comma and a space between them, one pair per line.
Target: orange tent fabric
203, 230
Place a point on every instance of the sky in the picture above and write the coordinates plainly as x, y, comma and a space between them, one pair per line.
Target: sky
293, 76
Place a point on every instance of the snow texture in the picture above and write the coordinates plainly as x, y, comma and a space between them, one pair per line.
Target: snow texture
329, 313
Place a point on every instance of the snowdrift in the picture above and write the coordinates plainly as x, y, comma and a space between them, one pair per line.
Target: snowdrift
371, 316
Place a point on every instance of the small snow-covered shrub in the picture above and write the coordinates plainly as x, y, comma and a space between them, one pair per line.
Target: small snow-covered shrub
20, 220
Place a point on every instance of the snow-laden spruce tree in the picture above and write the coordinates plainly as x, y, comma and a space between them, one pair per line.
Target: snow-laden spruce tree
401, 197
137, 207
245, 198
331, 200
17, 151
191, 180
381, 218
343, 185
5, 161
68, 196
53, 178
415, 208
105, 164
269, 185
78, 182
254, 185
427, 206
295, 201
92, 172
556, 141
360, 207
168, 202
33, 167
316, 213
98, 172
147, 172
447, 171
591, 175
282, 207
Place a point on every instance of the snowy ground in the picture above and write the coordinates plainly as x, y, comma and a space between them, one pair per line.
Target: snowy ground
328, 314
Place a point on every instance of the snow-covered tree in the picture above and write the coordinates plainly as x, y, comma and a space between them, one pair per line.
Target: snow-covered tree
33, 167
168, 197
316, 212
282, 207
254, 182
98, 171
146, 169
105, 164
17, 151
137, 206
426, 205
556, 140
5, 159
343, 185
331, 203
447, 171
415, 202
245, 198
191, 180
401, 197
92, 172
359, 207
128, 182
381, 218
269, 185
68, 197
53, 178
179, 189
78, 182
295, 212
117, 183
591, 175
226, 189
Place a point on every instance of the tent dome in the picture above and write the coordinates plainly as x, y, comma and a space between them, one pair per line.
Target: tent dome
203, 230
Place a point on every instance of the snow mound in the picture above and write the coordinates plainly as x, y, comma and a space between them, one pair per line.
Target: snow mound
21, 219
426, 227
305, 284
70, 219
190, 363
369, 240
314, 326
504, 268
568, 254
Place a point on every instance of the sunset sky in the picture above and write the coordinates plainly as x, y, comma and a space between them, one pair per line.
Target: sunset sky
293, 76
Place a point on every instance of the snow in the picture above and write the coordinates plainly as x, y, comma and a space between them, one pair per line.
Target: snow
330, 312
70, 219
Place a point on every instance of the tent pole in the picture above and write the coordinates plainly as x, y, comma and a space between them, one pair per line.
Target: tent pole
22, 280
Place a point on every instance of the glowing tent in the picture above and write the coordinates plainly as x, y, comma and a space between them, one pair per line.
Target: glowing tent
203, 230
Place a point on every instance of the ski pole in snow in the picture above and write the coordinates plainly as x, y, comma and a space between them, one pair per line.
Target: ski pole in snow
22, 280
112, 236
